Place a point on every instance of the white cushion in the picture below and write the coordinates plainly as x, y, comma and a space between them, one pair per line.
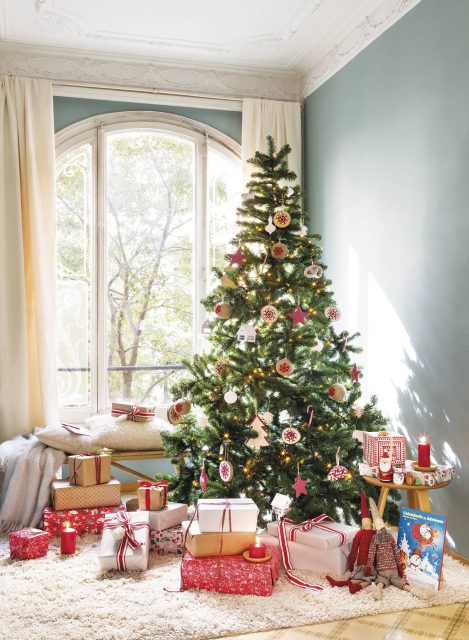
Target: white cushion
58, 437
127, 435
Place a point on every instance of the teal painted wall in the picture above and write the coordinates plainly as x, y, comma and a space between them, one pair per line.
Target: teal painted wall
387, 166
70, 110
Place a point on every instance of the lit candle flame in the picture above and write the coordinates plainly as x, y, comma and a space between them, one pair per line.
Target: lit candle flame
423, 439
66, 525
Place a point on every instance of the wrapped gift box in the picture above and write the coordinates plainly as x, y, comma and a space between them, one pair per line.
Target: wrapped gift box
365, 469
88, 469
202, 545
171, 516
168, 541
305, 558
324, 535
70, 496
28, 544
135, 412
231, 574
443, 473
83, 520
374, 445
152, 496
117, 553
240, 515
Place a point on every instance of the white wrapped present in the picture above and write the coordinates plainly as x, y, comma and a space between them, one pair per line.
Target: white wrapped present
365, 469
443, 473
322, 535
170, 516
303, 557
125, 543
232, 514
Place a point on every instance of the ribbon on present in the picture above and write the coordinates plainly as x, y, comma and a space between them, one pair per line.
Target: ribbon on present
149, 486
307, 525
122, 519
76, 467
135, 411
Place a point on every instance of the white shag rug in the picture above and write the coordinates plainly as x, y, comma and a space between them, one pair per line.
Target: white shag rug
53, 598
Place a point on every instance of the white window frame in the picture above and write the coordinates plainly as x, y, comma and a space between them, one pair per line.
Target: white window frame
93, 131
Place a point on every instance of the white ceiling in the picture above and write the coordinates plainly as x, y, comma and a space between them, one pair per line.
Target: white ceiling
278, 36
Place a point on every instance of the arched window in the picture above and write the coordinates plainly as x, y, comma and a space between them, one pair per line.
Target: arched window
146, 205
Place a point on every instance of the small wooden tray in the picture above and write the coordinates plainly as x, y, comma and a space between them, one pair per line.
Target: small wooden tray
68, 555
432, 467
266, 558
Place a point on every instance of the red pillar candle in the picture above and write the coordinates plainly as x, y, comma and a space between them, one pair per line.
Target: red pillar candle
257, 550
424, 453
68, 539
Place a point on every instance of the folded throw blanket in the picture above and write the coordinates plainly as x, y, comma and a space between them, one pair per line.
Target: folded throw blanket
29, 469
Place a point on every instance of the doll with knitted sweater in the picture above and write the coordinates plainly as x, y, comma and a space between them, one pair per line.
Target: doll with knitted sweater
358, 555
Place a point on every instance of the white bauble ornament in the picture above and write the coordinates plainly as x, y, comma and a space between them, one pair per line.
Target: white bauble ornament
230, 397
290, 435
267, 417
284, 367
269, 314
279, 251
337, 391
222, 310
225, 470
333, 313
290, 191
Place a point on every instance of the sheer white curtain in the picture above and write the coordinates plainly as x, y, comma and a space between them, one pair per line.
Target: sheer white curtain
28, 371
281, 120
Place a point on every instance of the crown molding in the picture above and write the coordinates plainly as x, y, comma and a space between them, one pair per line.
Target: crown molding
134, 71
331, 60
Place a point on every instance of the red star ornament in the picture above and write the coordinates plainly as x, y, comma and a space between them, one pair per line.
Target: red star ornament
298, 316
354, 373
237, 257
299, 486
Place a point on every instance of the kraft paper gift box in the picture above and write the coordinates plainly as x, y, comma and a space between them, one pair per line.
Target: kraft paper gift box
152, 496
135, 412
305, 558
70, 496
88, 469
236, 514
169, 541
28, 544
202, 545
231, 574
82, 520
375, 444
324, 535
125, 543
171, 516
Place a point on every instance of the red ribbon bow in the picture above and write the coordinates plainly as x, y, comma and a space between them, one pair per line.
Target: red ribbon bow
135, 411
122, 519
148, 486
97, 464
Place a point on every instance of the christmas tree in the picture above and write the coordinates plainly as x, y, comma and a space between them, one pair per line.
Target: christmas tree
279, 387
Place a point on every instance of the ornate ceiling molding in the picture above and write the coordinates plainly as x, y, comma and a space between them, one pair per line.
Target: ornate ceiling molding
371, 27
131, 71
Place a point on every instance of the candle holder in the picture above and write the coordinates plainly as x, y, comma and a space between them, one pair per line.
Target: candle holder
266, 558
417, 467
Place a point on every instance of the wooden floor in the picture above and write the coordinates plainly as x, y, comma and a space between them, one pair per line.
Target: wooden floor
449, 622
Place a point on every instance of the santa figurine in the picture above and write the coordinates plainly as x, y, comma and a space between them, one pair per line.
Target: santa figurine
385, 467
383, 558
415, 559
358, 554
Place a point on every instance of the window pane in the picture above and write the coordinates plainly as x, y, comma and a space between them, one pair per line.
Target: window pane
150, 231
74, 182
224, 190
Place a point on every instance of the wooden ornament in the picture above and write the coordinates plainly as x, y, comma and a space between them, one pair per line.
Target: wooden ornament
269, 314
222, 310
337, 391
279, 251
182, 406
333, 313
225, 470
227, 282
282, 219
173, 416
284, 367
290, 435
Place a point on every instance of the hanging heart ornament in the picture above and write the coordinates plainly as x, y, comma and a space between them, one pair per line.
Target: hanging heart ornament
313, 271
225, 470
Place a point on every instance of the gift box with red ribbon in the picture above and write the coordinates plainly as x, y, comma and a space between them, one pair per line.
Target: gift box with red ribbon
152, 496
83, 520
28, 544
135, 412
231, 574
325, 534
86, 469
168, 541
125, 543
71, 496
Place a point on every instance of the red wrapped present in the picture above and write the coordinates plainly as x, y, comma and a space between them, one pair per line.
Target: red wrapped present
377, 443
28, 544
83, 520
167, 541
231, 574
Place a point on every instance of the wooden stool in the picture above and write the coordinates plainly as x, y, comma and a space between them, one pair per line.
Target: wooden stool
417, 495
